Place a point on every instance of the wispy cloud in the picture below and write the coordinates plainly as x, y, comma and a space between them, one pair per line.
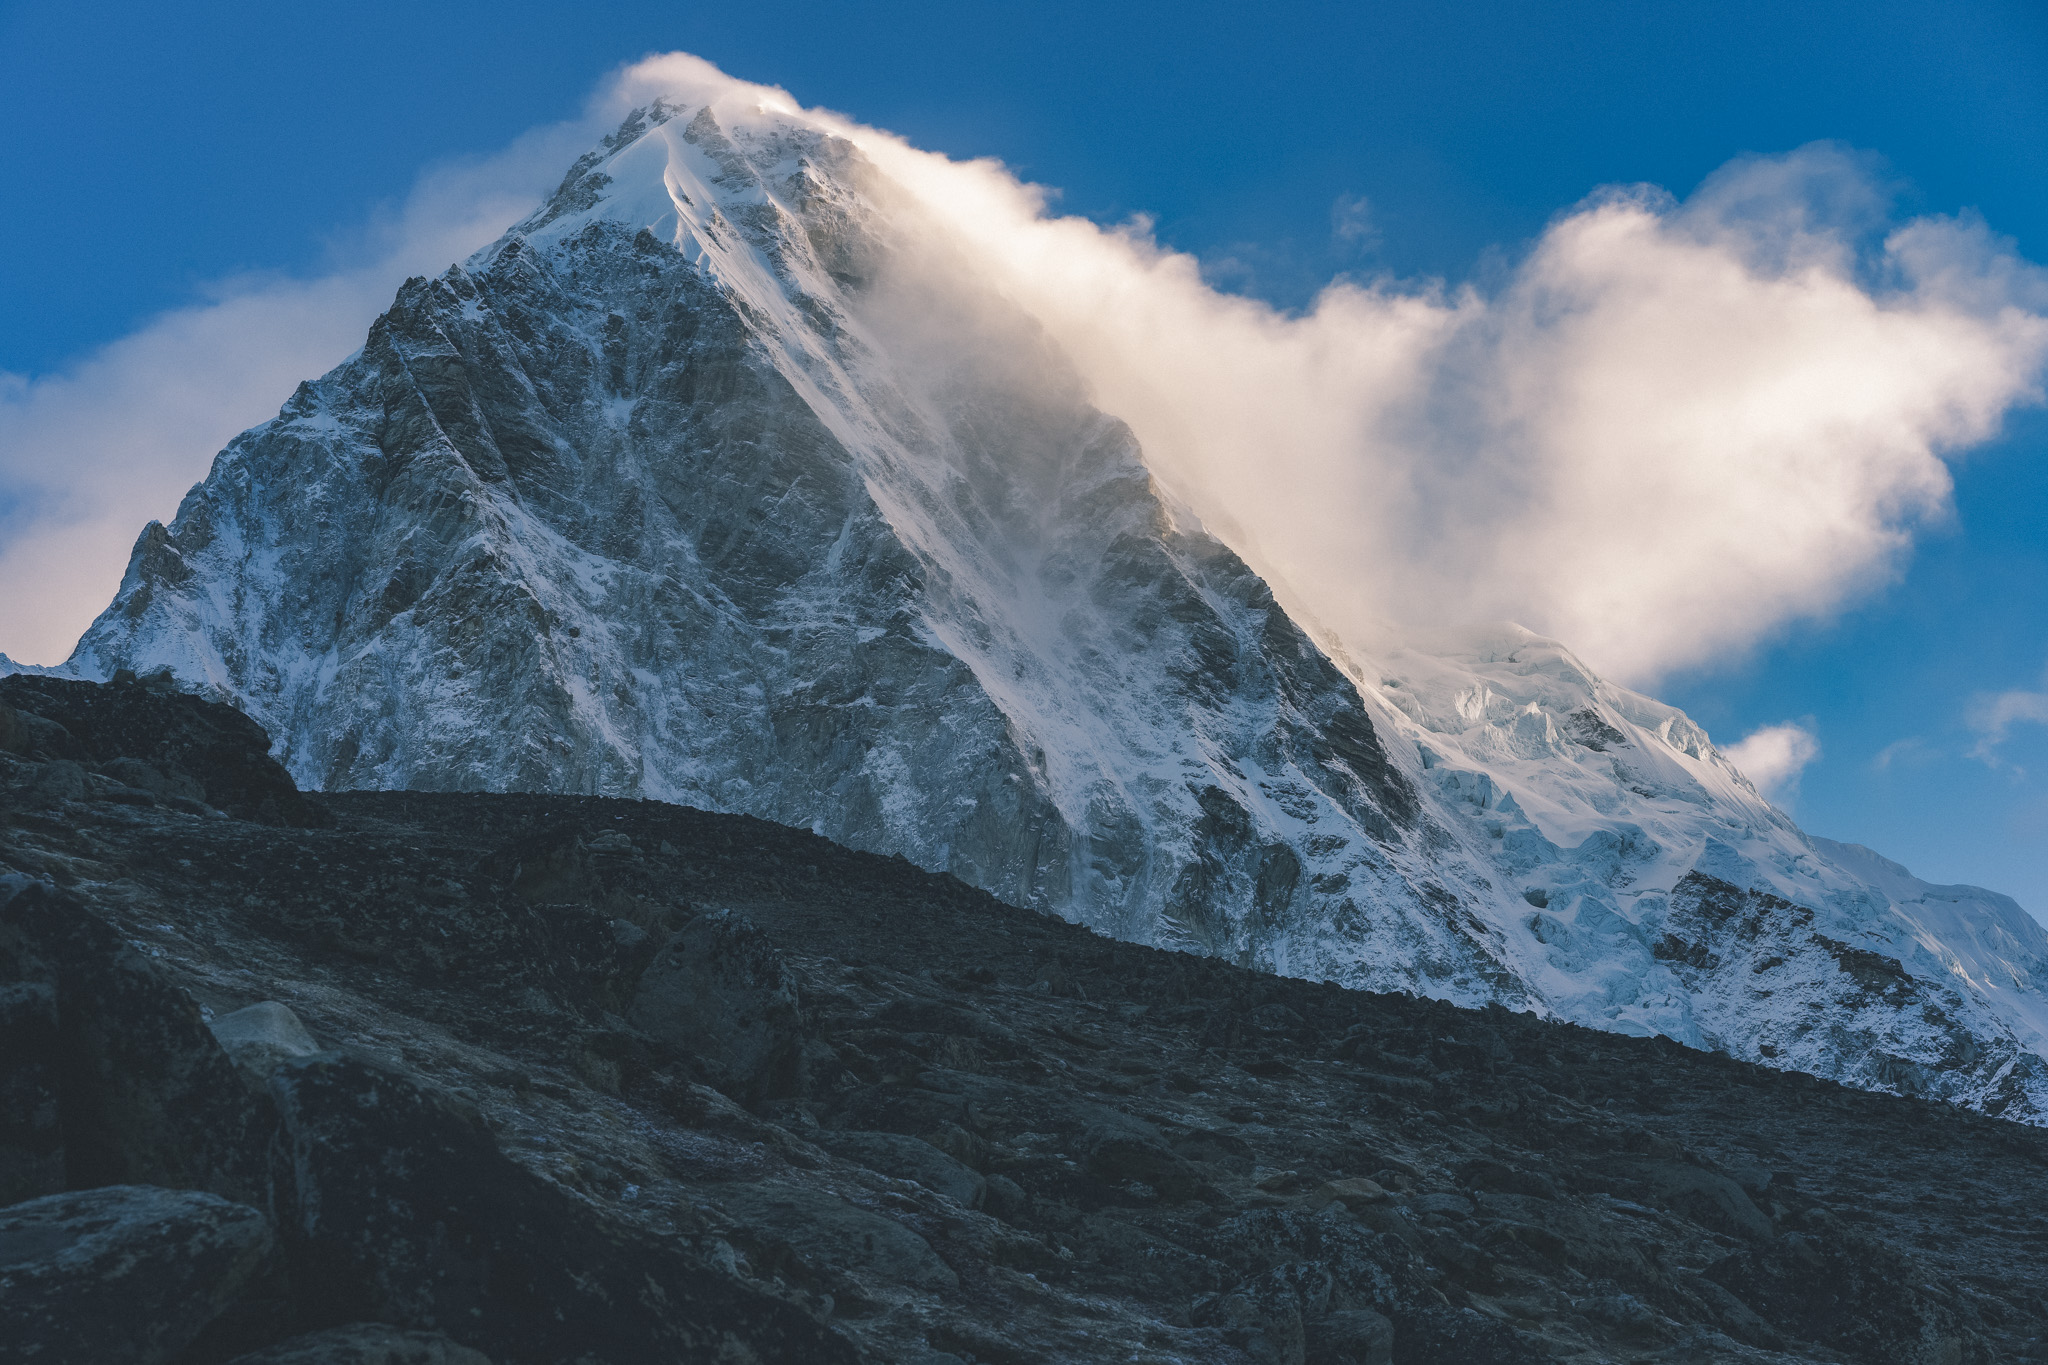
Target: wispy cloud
1910, 752
1353, 225
1677, 427
1774, 757
1993, 716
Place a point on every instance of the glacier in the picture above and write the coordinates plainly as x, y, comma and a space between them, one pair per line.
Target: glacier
722, 479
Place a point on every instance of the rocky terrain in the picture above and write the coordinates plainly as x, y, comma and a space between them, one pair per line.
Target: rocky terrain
415, 1077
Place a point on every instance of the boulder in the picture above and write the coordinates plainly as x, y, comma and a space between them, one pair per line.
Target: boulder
1125, 1161
1705, 1196
124, 1274
56, 782
143, 1094
720, 991
395, 1205
31, 736
1354, 1193
366, 1343
261, 1038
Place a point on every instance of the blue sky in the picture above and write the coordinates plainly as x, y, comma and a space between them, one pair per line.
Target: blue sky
153, 152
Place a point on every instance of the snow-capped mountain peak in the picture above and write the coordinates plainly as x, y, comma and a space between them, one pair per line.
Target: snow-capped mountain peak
723, 479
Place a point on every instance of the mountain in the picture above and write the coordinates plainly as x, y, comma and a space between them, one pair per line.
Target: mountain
1641, 884
723, 480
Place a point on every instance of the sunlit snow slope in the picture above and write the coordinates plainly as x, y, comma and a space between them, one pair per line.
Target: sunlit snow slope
722, 479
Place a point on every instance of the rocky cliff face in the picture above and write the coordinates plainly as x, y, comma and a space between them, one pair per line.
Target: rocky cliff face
721, 480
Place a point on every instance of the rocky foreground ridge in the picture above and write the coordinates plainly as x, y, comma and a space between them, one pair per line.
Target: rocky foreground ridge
461, 1077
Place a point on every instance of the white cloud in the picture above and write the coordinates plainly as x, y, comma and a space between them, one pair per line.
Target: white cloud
1676, 427
1773, 758
1993, 716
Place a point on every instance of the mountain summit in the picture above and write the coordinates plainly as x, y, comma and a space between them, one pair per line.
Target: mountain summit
722, 479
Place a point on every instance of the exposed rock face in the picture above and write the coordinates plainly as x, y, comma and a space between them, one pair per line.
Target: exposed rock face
118, 1079
123, 1274
397, 1206
1010, 1139
721, 480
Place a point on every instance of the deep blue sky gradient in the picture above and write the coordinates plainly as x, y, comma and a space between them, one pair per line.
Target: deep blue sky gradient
148, 149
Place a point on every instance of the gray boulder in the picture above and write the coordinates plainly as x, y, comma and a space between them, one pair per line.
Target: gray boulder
831, 1235
58, 781
122, 1275
261, 1038
32, 736
1706, 1196
721, 991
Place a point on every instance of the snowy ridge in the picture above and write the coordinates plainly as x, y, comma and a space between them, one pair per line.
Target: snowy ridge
722, 480
1634, 869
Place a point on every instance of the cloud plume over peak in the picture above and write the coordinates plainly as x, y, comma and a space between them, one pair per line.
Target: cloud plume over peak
1671, 429
1674, 429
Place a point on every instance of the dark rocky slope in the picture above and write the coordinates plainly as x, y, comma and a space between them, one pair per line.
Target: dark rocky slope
575, 1079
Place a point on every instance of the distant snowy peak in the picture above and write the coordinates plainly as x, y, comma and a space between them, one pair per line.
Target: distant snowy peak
1642, 883
726, 478
9, 666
